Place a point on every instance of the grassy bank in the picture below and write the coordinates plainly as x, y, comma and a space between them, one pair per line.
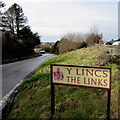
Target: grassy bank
34, 98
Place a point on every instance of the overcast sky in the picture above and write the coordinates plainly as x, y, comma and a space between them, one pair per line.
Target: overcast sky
53, 19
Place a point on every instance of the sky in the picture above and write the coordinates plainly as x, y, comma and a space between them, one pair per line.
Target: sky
53, 19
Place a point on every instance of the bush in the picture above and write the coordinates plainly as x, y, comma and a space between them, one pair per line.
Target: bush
55, 48
93, 39
83, 44
67, 45
73, 41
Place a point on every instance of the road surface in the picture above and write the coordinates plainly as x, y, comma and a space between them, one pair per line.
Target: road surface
13, 73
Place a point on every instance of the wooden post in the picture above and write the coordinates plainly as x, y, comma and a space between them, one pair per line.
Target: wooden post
52, 100
52, 96
108, 105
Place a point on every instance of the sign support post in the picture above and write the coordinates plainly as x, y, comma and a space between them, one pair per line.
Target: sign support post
52, 97
108, 105
52, 100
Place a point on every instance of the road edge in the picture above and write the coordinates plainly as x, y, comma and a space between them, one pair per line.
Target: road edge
6, 102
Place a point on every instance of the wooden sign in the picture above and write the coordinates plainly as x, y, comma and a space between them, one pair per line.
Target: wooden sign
85, 76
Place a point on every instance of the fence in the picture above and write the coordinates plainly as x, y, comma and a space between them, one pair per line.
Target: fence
112, 49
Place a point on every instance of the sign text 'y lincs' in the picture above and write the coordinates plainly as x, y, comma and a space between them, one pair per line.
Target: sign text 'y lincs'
95, 77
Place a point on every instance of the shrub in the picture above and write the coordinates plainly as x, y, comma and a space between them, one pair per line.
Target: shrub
66, 45
93, 39
83, 44
55, 48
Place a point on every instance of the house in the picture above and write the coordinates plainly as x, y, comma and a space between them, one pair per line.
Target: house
116, 43
113, 42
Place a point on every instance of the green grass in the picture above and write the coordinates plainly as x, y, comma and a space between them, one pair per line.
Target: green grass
34, 98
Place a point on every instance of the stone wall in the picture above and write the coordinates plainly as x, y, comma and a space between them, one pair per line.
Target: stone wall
112, 49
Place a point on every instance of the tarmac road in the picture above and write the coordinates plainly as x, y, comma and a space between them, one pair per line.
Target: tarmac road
13, 73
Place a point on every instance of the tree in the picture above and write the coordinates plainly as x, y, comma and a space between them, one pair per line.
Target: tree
11, 48
1, 13
29, 39
56, 47
94, 30
76, 37
17, 39
93, 39
26, 35
14, 19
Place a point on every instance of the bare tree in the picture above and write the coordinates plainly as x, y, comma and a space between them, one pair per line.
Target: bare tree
94, 30
76, 37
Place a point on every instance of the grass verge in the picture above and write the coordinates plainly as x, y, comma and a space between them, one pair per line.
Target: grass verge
34, 98
6, 61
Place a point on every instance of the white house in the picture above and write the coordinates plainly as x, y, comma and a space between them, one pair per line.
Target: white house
116, 43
